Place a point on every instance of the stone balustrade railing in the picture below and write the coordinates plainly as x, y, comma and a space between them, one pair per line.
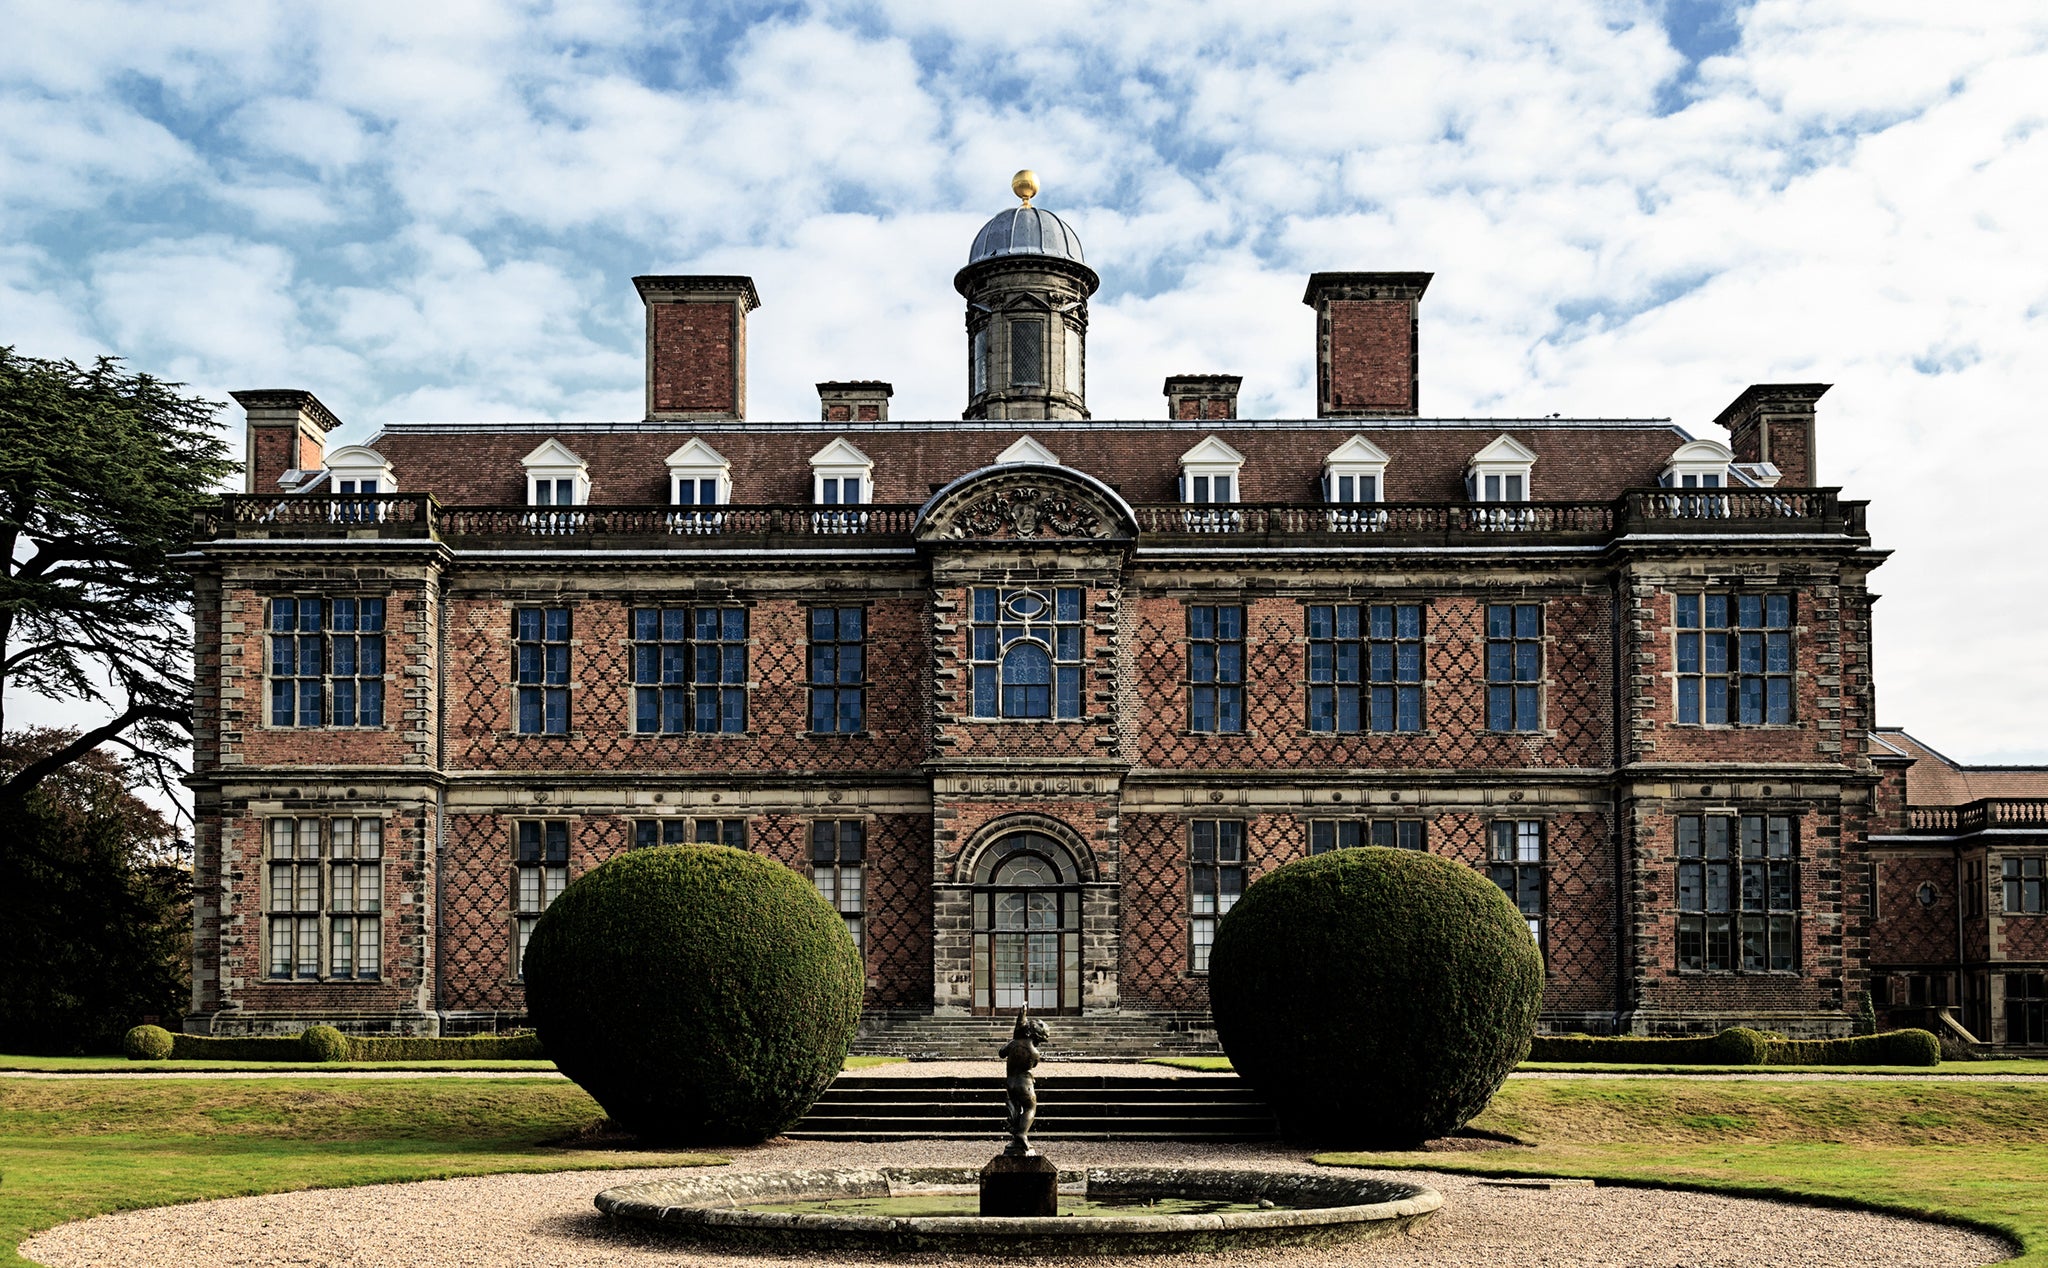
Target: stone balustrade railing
1975, 816
1638, 512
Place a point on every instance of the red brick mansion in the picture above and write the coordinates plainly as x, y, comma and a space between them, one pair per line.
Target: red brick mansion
1032, 696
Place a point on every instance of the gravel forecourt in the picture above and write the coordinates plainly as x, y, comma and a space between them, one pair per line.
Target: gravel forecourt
496, 1221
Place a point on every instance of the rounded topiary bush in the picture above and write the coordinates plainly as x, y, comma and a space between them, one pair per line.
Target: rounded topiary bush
700, 993
324, 1043
1740, 1045
1375, 997
147, 1043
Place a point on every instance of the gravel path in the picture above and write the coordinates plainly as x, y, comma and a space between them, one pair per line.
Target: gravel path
494, 1221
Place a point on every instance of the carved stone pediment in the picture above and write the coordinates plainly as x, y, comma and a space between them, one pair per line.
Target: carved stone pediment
1026, 503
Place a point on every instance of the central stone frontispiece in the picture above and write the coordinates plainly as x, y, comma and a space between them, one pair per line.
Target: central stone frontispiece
1020, 1180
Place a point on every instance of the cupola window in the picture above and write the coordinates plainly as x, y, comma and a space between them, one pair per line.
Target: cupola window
1027, 353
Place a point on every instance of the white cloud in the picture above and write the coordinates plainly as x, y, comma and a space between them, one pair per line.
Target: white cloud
433, 211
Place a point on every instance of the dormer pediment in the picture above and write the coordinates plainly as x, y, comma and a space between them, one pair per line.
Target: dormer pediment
695, 455
1357, 452
355, 457
1025, 449
1702, 451
841, 453
551, 454
1505, 451
1212, 452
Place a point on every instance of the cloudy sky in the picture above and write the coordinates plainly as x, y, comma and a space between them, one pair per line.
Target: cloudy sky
1632, 207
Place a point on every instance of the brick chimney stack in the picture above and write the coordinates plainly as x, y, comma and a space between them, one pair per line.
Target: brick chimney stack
697, 345
855, 401
1202, 395
1366, 351
286, 436
1773, 422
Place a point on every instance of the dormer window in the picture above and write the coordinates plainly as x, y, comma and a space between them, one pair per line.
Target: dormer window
1355, 471
1698, 464
841, 475
698, 475
1501, 472
555, 476
1209, 472
357, 470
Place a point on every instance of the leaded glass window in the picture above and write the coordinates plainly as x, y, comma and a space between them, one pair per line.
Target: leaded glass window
1325, 835
838, 856
1735, 658
1215, 667
540, 872
838, 670
1215, 882
326, 662
1737, 894
1025, 652
1514, 667
684, 831
541, 661
1027, 353
2023, 882
325, 872
689, 670
1515, 862
1365, 667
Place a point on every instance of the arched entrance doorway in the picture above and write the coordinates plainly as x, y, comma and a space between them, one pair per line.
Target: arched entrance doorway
1027, 927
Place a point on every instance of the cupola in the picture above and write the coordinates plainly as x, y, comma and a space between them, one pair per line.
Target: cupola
1027, 288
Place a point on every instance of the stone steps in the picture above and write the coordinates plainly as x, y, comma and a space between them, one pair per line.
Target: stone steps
1101, 1037
1070, 1107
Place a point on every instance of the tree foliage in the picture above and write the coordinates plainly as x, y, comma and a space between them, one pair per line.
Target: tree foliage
95, 902
100, 474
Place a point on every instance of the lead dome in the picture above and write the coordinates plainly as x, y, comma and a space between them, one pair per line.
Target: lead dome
1026, 231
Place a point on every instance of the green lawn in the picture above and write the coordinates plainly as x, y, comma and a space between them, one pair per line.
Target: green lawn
1971, 1152
1998, 1067
70, 1148
122, 1065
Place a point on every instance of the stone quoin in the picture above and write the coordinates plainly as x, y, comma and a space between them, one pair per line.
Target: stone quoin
1031, 695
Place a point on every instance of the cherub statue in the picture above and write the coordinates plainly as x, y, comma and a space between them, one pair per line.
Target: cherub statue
1021, 1053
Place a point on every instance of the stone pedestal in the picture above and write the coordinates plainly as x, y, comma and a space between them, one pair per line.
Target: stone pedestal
1020, 1184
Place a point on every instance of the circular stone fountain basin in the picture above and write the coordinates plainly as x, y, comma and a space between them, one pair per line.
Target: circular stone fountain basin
851, 1210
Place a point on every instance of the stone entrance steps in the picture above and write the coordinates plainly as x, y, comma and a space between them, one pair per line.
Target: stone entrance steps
1100, 1037
1218, 1107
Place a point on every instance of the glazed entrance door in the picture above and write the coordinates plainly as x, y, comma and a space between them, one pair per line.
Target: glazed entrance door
1027, 939
1026, 950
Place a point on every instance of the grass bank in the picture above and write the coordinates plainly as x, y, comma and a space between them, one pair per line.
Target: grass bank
2001, 1067
71, 1148
1970, 1152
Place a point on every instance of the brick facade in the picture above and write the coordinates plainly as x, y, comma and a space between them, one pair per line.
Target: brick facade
1602, 769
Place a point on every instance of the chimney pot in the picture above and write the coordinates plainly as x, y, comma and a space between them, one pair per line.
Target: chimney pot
1202, 395
286, 434
855, 401
1773, 423
697, 345
1366, 343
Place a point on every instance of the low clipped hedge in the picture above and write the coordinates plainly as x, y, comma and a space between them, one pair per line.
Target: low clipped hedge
1735, 1046
326, 1044
1741, 1046
1374, 997
699, 993
1892, 1047
518, 1047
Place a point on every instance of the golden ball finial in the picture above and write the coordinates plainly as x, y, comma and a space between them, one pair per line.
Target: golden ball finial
1025, 185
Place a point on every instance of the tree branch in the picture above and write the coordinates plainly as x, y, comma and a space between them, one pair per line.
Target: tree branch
17, 789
